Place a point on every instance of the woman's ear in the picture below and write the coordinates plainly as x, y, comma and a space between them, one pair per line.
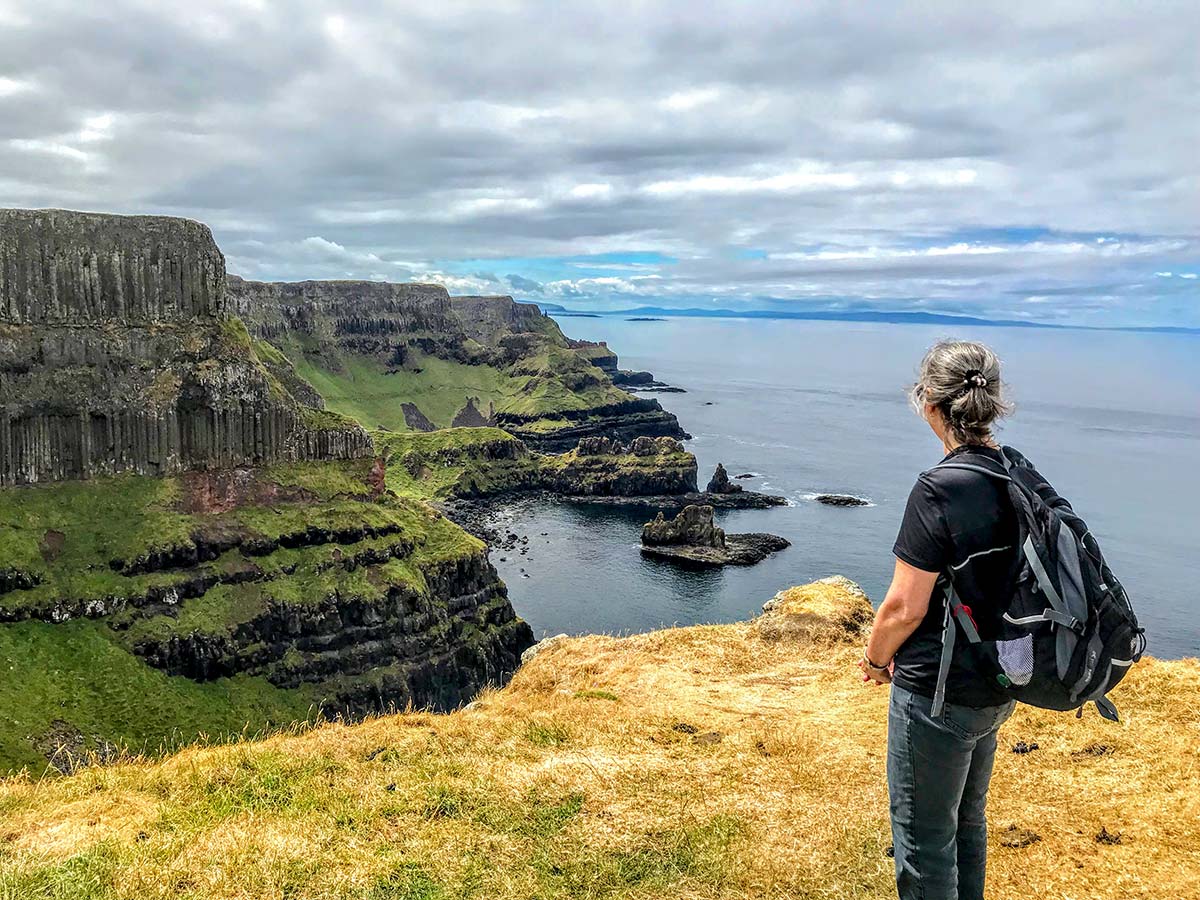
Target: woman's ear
936, 421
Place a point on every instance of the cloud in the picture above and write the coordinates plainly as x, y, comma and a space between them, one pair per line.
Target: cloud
525, 285
811, 153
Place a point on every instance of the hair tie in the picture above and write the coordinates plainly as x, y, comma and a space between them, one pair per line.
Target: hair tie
975, 378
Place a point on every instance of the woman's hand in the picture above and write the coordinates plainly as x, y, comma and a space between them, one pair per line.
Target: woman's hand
874, 673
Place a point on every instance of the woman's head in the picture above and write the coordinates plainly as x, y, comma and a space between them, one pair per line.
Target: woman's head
959, 392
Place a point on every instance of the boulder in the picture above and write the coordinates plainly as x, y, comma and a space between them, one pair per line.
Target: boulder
720, 483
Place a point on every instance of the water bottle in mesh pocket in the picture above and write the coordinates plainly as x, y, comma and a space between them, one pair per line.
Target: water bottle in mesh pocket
1016, 659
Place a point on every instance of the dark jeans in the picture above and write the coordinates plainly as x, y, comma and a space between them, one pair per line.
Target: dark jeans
938, 773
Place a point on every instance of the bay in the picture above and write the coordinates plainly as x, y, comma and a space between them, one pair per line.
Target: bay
1112, 419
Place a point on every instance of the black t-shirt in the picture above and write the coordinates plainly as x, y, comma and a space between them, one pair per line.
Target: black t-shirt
961, 522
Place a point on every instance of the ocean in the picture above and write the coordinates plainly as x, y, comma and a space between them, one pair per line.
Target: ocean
1112, 419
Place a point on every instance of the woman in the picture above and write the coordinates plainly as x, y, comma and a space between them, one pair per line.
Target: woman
957, 523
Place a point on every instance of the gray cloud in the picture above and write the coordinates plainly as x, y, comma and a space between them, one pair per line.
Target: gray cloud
808, 153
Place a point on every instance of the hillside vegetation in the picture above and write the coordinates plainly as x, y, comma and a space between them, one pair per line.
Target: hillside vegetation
141, 612
483, 462
730, 761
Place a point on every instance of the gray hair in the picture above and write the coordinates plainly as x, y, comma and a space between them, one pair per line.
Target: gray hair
962, 380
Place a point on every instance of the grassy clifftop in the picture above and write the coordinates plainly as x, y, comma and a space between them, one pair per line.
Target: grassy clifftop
730, 761
143, 612
481, 462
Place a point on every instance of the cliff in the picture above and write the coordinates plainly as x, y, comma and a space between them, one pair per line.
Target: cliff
117, 354
190, 543
409, 357
729, 761
139, 608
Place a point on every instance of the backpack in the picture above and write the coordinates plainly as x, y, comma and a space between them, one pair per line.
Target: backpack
1069, 633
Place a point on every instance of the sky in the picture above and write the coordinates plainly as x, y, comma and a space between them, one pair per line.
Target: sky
1022, 160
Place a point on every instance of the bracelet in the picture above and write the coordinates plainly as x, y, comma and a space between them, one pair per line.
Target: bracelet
871, 665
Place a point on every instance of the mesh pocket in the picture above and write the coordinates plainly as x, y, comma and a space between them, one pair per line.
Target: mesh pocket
1016, 659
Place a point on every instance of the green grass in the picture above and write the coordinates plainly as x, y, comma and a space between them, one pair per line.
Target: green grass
113, 518
79, 672
457, 462
365, 390
84, 672
550, 382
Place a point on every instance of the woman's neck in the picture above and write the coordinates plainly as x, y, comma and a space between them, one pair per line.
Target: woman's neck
950, 446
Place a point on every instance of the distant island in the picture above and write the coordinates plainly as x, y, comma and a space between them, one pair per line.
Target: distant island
890, 317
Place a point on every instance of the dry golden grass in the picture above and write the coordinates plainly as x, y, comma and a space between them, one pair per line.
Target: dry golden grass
742, 760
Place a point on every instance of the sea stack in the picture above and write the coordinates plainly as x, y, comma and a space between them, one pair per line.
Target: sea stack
720, 483
693, 537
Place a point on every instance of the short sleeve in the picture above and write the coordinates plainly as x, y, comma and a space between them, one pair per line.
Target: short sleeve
924, 539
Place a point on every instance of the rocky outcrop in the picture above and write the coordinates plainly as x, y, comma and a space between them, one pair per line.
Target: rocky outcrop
470, 416
117, 355
693, 527
623, 422
841, 500
470, 464
597, 353
601, 467
693, 537
720, 483
415, 419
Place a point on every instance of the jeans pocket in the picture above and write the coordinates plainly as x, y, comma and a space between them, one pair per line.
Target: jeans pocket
972, 723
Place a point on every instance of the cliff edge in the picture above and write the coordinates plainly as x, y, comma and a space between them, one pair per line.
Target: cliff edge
118, 354
739, 761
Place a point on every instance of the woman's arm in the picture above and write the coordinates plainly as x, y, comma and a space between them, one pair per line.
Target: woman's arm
901, 612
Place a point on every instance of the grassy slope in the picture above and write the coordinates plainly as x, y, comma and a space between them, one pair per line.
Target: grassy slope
539, 385
79, 672
484, 461
84, 672
688, 763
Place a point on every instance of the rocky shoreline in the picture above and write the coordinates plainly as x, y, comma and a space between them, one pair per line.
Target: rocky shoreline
741, 500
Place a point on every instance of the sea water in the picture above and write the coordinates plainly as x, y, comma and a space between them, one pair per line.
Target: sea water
1112, 419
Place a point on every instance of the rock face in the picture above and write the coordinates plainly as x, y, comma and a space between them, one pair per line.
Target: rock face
720, 483
117, 354
487, 319
361, 316
434, 648
693, 537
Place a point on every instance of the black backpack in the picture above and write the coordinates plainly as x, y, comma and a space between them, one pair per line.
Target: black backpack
1069, 633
